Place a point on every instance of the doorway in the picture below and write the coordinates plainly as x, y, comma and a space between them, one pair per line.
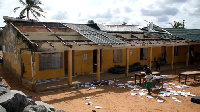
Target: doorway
95, 60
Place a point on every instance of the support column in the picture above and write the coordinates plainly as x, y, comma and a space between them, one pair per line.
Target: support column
70, 67
127, 62
150, 57
187, 56
33, 71
98, 65
172, 63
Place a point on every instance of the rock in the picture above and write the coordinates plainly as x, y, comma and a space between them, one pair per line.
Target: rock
60, 111
48, 106
3, 90
14, 101
3, 85
35, 108
2, 109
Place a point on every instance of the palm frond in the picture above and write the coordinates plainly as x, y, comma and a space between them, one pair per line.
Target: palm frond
15, 9
34, 15
22, 12
39, 8
37, 13
22, 2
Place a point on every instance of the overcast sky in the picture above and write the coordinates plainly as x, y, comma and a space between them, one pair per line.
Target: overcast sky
160, 12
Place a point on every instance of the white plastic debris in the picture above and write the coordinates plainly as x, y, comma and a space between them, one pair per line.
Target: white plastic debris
178, 86
160, 101
98, 107
165, 84
87, 98
121, 87
174, 98
133, 93
177, 100
149, 97
89, 103
135, 89
120, 84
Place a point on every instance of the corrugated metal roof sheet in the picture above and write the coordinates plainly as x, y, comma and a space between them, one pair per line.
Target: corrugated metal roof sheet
95, 36
187, 34
119, 28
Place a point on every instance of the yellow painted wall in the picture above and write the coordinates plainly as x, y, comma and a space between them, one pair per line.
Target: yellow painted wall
47, 74
107, 57
135, 57
27, 64
156, 53
107, 60
182, 54
180, 58
83, 67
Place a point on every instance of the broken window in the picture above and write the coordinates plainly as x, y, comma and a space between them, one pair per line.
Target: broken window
131, 52
117, 56
84, 57
50, 61
176, 51
143, 53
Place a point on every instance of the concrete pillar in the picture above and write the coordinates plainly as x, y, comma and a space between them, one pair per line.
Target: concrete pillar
150, 57
172, 63
98, 65
187, 56
127, 61
33, 68
70, 67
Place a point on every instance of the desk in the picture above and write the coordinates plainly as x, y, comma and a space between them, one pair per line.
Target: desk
187, 73
155, 78
139, 75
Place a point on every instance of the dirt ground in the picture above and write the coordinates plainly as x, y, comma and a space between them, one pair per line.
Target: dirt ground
113, 99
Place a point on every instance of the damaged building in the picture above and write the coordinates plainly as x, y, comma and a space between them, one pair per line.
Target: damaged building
44, 50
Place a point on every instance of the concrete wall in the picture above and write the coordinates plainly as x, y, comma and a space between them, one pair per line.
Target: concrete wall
12, 42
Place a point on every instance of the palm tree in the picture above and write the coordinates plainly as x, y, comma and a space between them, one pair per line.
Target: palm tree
30, 6
176, 24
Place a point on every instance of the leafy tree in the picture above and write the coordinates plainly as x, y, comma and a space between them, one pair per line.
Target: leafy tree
124, 23
30, 6
176, 24
90, 22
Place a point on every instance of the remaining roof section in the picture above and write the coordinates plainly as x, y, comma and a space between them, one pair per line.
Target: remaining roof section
119, 28
94, 35
187, 34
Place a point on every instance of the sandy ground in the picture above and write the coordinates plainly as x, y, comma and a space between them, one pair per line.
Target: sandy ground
113, 99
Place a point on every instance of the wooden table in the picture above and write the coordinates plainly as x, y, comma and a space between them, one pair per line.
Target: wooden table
140, 76
187, 73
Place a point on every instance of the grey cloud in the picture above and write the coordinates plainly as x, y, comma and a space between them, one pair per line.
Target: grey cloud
127, 9
61, 15
159, 12
175, 1
107, 14
163, 19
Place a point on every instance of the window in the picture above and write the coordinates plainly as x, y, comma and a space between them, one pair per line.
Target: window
176, 51
143, 53
50, 61
131, 52
117, 56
